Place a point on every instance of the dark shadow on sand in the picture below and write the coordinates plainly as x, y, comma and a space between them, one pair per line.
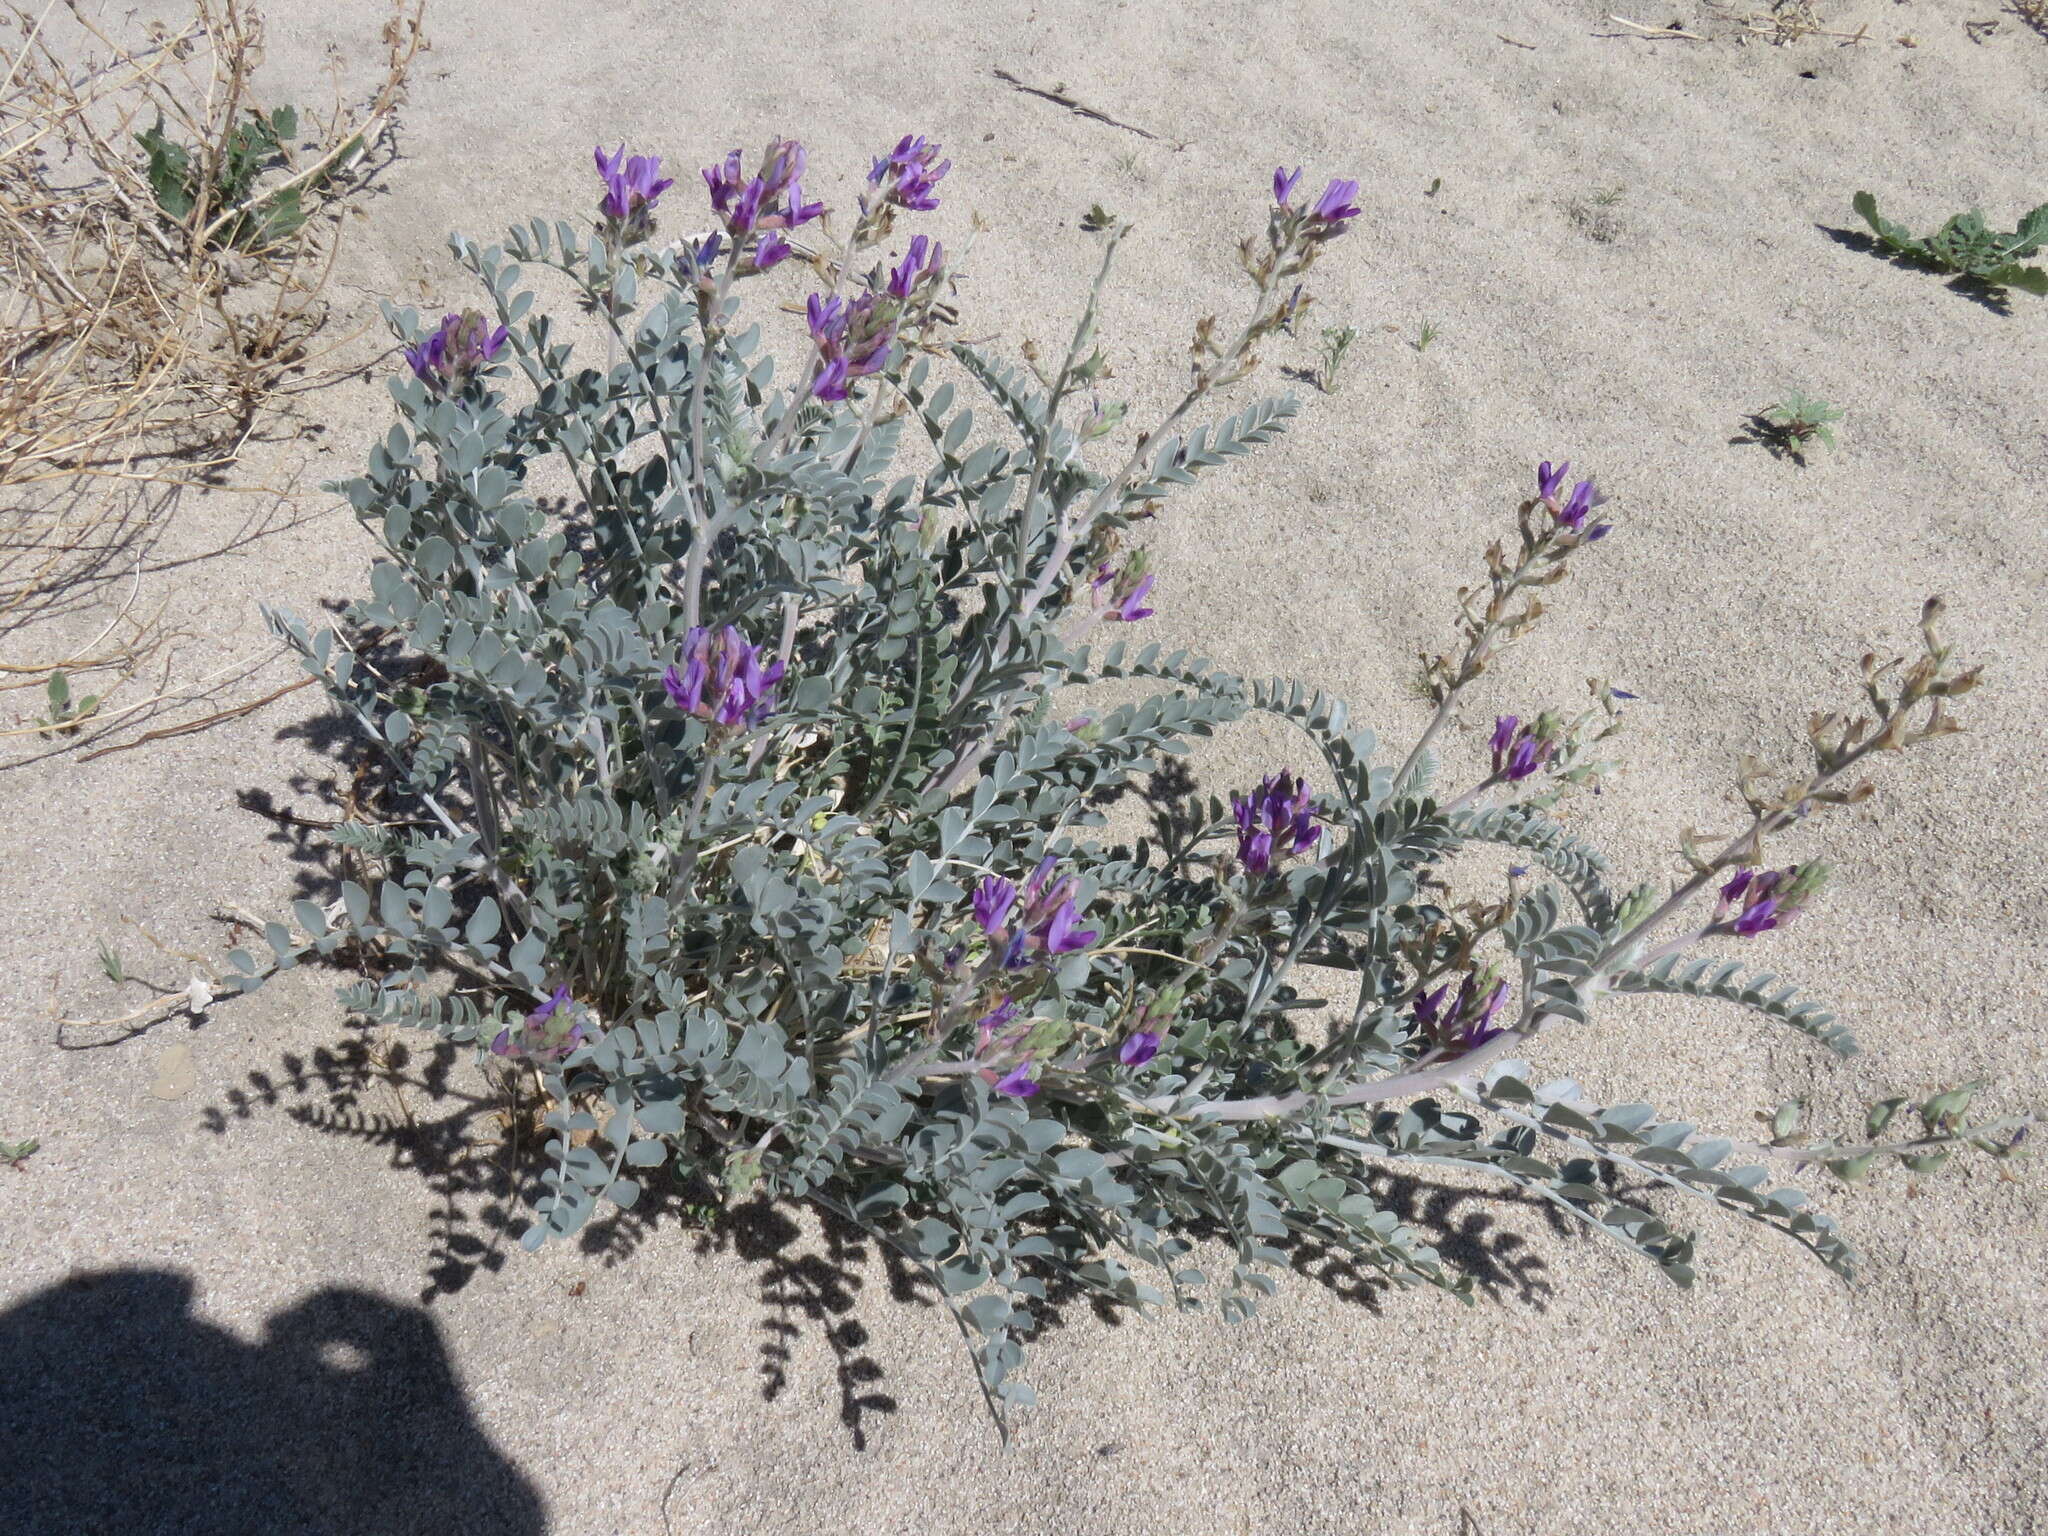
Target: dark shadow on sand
124, 1411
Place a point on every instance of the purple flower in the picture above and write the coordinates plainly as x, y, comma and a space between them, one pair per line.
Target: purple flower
1468, 1019
1769, 898
992, 901
907, 175
796, 210
1335, 209
1018, 1082
459, 349
1757, 917
1429, 1006
1283, 183
1139, 1047
1128, 610
724, 180
1570, 511
1519, 750
722, 679
532, 1039
996, 1020
631, 187
1479, 1026
770, 250
924, 259
1584, 498
1047, 921
1622, 693
1034, 887
1126, 589
1060, 936
1275, 822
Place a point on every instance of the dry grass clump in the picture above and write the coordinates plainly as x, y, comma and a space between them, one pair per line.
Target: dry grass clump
162, 255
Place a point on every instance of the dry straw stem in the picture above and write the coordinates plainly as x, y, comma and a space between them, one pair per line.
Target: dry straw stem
141, 351
1786, 21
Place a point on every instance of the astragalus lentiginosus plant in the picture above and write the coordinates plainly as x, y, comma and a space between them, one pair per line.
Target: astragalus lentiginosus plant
740, 813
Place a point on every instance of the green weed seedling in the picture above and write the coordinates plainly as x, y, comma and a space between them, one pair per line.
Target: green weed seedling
1337, 340
1795, 424
66, 713
178, 175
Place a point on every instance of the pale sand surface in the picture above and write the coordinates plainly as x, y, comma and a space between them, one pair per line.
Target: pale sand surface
1582, 1393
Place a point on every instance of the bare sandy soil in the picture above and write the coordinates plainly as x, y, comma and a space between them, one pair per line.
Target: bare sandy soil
251, 1289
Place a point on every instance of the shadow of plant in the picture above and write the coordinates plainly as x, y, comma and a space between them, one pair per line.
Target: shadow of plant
1997, 300
467, 1147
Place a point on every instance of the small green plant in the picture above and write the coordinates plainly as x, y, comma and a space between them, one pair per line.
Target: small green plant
1424, 337
179, 176
16, 1153
1337, 340
1436, 185
66, 713
1795, 424
112, 963
1966, 246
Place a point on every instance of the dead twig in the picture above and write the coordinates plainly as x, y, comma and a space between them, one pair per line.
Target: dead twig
1647, 31
191, 727
1059, 97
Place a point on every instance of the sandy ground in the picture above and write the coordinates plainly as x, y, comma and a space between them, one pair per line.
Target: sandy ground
249, 1291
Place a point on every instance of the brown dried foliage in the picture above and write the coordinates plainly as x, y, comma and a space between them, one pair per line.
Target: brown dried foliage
140, 351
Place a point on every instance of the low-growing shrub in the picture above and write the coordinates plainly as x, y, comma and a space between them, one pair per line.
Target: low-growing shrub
1967, 246
738, 808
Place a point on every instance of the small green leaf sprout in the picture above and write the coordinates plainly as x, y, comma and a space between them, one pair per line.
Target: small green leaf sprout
1795, 424
1337, 340
66, 713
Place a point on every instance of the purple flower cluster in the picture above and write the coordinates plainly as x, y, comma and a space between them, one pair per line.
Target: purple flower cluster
533, 1038
722, 678
1277, 821
1768, 898
1466, 1020
853, 339
456, 352
767, 202
1518, 749
907, 176
631, 187
1127, 589
1047, 921
1570, 511
1328, 216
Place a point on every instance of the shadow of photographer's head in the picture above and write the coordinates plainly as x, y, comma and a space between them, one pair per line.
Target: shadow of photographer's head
126, 1410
